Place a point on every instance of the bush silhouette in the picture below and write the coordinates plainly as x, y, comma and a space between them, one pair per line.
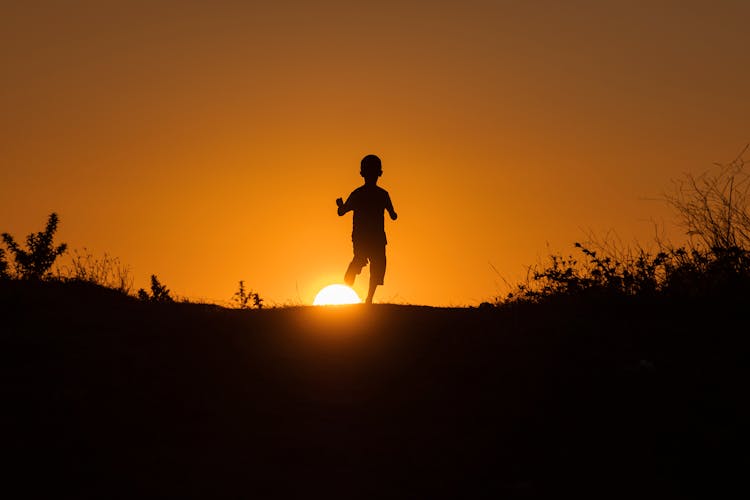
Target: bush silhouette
159, 292
670, 272
713, 206
3, 265
35, 262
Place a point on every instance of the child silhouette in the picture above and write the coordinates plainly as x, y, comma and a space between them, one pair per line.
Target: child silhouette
368, 234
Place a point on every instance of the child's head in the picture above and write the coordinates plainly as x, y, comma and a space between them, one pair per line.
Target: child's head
371, 168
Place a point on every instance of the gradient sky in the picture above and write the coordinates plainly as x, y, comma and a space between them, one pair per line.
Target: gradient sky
206, 142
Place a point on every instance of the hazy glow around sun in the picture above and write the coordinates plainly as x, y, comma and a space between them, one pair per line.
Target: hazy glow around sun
334, 295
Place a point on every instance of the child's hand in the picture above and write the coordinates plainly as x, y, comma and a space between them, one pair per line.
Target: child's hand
339, 202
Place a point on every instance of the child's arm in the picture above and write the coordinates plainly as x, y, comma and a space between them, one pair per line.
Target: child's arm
343, 207
389, 207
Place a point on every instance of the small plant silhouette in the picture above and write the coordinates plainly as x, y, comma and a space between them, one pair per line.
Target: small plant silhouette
246, 299
35, 262
159, 292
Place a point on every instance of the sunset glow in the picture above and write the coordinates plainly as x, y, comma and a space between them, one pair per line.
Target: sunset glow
336, 295
207, 142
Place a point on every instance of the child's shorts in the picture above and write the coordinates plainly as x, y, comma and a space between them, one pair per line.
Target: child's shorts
375, 254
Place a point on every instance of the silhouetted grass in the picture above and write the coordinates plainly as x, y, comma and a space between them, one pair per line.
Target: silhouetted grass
106, 271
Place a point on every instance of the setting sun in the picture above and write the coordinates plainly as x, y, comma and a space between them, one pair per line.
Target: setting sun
335, 295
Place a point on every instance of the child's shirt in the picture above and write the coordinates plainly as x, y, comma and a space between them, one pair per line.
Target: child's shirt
369, 203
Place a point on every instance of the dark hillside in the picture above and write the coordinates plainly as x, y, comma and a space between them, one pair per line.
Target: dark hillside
108, 397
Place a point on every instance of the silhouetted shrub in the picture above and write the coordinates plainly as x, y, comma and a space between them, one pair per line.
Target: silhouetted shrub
35, 262
594, 273
716, 271
3, 265
670, 272
246, 299
159, 292
106, 271
714, 205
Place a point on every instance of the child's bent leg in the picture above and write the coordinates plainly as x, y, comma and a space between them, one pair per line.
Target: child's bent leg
355, 267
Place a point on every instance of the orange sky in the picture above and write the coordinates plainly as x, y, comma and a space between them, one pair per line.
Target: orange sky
206, 142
